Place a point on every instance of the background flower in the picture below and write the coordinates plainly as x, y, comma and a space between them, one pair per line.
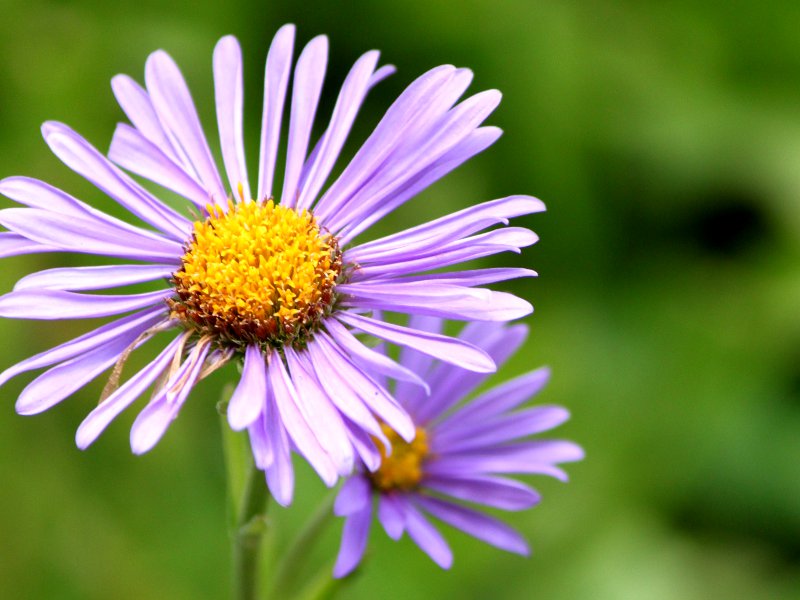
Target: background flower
462, 454
662, 138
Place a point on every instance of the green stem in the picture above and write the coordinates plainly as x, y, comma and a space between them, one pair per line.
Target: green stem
300, 547
248, 535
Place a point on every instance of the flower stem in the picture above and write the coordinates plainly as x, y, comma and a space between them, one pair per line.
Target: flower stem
299, 549
248, 535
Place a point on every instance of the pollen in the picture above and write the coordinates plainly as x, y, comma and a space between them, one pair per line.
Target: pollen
402, 469
257, 273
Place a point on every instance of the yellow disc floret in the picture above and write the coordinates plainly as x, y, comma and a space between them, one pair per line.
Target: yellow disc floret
258, 273
402, 469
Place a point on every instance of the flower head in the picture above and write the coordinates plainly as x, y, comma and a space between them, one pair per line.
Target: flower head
460, 456
271, 279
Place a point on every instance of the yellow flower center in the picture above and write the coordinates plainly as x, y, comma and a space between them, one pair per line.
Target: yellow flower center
258, 273
402, 470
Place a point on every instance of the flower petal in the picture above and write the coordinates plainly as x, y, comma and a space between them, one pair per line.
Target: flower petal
480, 526
354, 541
353, 496
13, 244
497, 492
427, 537
276, 80
96, 421
86, 342
55, 384
250, 395
391, 515
229, 92
175, 109
442, 347
297, 427
133, 151
151, 424
84, 159
93, 278
57, 304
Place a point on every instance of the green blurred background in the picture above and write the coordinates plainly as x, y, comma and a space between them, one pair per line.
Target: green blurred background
665, 140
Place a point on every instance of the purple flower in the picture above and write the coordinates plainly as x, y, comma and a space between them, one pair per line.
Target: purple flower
271, 278
460, 455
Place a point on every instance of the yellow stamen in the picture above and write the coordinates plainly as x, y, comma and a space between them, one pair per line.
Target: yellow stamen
402, 469
259, 272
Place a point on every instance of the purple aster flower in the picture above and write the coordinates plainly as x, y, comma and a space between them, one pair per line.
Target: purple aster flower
271, 278
460, 455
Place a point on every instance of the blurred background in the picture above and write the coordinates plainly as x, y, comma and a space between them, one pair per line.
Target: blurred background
665, 140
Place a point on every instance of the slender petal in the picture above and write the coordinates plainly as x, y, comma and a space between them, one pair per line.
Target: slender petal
151, 424
13, 244
354, 541
280, 474
57, 304
229, 91
489, 490
276, 80
478, 525
93, 278
59, 382
391, 516
87, 342
442, 347
131, 150
85, 160
354, 494
426, 537
176, 112
105, 412
250, 395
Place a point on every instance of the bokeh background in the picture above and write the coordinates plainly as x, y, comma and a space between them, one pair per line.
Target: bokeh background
665, 140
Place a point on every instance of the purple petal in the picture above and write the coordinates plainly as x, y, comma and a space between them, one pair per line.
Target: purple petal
353, 496
85, 160
136, 103
87, 342
391, 515
341, 392
403, 117
470, 278
500, 399
442, 347
437, 300
151, 424
444, 134
250, 395
93, 278
321, 416
299, 431
488, 433
530, 457
133, 151
352, 94
280, 474
373, 360
431, 235
13, 244
364, 445
176, 112
260, 442
374, 396
276, 80
497, 492
56, 304
354, 541
55, 384
229, 90
427, 538
450, 384
97, 420
307, 87
86, 235
478, 525
509, 239
473, 144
